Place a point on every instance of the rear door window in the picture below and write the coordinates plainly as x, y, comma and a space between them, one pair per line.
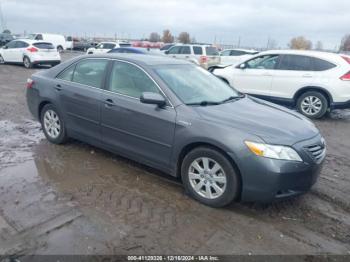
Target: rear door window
296, 63
90, 72
237, 53
67, 74
185, 50
21, 44
197, 50
211, 51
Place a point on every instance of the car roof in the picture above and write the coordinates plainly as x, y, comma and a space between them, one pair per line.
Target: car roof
301, 52
30, 41
241, 49
149, 60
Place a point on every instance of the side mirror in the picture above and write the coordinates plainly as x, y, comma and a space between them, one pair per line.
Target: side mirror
166, 52
153, 99
243, 66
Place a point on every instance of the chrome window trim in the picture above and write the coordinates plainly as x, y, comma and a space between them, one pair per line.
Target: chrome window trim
108, 91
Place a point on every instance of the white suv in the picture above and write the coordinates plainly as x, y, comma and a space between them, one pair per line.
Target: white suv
203, 55
29, 53
311, 81
105, 47
235, 56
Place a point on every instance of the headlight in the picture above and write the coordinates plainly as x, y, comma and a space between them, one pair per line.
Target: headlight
273, 151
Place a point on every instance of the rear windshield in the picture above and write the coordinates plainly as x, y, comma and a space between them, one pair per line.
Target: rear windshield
211, 50
44, 45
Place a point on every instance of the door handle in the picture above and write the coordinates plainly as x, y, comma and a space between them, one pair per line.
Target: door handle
109, 103
307, 75
58, 87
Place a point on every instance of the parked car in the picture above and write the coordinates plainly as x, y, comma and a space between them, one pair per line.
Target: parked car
135, 50
202, 55
29, 53
59, 41
235, 56
83, 45
5, 38
104, 47
311, 81
177, 117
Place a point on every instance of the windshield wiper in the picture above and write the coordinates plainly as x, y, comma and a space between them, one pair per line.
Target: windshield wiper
231, 98
203, 103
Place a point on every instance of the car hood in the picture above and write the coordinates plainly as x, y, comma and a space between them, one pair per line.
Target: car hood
272, 123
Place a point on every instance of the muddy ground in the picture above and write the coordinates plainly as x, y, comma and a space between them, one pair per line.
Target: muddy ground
77, 199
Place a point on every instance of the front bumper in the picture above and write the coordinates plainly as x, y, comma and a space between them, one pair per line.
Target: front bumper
46, 62
266, 180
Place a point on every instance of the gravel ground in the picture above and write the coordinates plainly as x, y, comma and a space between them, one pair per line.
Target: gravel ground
77, 199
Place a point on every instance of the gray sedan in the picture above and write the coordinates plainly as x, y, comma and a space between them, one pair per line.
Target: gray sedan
175, 116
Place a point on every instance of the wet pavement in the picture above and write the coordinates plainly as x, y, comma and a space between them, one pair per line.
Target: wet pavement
77, 199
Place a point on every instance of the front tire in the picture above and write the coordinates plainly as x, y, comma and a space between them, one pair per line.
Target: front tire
209, 177
53, 125
312, 104
2, 60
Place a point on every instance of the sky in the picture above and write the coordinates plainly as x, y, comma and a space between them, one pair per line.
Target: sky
249, 22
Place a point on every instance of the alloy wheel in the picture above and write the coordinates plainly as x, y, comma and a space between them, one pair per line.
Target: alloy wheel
207, 178
311, 105
26, 62
52, 124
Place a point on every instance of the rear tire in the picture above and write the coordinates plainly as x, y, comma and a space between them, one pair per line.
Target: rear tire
60, 49
27, 63
2, 61
209, 177
312, 104
53, 125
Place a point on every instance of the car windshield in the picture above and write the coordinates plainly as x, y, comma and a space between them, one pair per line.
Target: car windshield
196, 86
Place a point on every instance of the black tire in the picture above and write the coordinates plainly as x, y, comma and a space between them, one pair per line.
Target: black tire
2, 61
60, 49
232, 179
62, 137
54, 64
322, 102
27, 63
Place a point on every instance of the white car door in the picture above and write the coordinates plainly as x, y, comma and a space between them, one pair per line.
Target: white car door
173, 51
185, 53
292, 73
255, 76
8, 52
18, 51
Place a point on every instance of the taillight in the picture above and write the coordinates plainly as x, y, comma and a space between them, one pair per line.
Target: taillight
30, 83
203, 59
346, 58
32, 49
346, 77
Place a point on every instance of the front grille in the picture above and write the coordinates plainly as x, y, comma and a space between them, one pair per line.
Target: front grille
316, 151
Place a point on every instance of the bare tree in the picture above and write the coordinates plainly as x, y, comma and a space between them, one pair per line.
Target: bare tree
184, 38
300, 42
319, 46
154, 37
167, 36
345, 43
